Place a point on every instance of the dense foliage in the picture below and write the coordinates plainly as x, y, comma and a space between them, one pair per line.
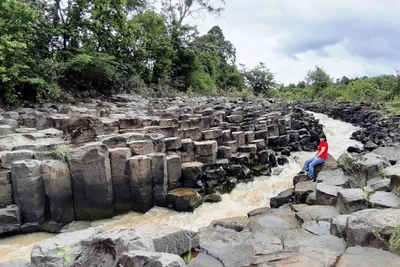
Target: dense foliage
58, 49
55, 49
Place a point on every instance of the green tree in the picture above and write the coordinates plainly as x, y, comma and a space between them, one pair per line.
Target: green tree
24, 52
260, 78
318, 79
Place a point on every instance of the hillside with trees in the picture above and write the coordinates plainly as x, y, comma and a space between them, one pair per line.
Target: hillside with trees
58, 50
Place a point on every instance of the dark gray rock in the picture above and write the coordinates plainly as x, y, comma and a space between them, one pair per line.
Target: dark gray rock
120, 181
381, 199
28, 188
351, 200
364, 226
92, 182
58, 190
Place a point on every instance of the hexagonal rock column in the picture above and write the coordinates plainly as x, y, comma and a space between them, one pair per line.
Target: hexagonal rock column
206, 152
27, 182
82, 128
5, 188
138, 170
10, 219
58, 189
122, 193
191, 172
174, 165
91, 182
160, 178
184, 199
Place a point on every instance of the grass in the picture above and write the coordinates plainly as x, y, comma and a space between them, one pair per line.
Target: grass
62, 151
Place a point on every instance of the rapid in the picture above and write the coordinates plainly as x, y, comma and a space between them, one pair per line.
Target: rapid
244, 198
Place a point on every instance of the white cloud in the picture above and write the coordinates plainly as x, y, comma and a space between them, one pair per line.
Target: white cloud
346, 37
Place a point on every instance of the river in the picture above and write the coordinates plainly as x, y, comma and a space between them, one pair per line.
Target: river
244, 198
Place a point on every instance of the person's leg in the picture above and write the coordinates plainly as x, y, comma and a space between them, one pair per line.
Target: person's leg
306, 164
314, 163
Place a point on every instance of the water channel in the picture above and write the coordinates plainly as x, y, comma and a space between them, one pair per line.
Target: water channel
244, 198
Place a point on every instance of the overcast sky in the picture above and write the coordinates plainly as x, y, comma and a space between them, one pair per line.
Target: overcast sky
346, 37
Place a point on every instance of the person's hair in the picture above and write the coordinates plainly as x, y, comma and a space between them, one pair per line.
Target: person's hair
322, 135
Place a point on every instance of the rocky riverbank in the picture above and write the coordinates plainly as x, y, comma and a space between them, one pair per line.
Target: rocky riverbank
345, 218
98, 159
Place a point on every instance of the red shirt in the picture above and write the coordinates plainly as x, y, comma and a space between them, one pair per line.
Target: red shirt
321, 145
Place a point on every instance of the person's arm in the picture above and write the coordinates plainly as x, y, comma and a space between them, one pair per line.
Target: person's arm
321, 151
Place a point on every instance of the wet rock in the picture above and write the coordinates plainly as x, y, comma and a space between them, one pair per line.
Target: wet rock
302, 190
282, 198
364, 256
140, 183
120, 181
183, 199
58, 190
300, 178
364, 227
351, 200
91, 182
28, 188
191, 172
10, 219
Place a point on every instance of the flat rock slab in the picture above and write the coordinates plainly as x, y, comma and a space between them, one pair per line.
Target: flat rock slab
333, 177
294, 257
364, 256
317, 227
391, 153
320, 213
384, 199
326, 194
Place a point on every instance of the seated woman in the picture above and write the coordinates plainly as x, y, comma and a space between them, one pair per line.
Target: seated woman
319, 158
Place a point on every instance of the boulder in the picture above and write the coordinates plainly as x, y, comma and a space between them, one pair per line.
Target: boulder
6, 129
334, 177
28, 188
282, 198
390, 153
82, 128
46, 253
326, 194
302, 190
141, 147
58, 190
16, 263
368, 227
191, 172
351, 200
5, 188
92, 183
173, 143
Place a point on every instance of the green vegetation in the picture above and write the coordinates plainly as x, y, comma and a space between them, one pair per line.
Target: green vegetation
393, 244
319, 85
56, 50
63, 254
